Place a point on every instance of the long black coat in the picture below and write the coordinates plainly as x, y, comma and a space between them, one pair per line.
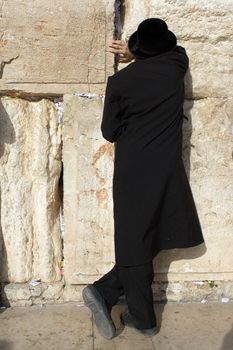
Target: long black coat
153, 205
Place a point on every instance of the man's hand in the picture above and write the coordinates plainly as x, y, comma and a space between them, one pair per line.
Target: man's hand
121, 47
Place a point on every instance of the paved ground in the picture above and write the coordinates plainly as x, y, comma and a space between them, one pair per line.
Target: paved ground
70, 327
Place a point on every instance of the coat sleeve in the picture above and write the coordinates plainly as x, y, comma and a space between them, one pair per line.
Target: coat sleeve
111, 125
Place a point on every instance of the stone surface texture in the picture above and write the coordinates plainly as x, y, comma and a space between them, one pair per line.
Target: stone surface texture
70, 326
207, 153
204, 28
46, 327
207, 146
51, 47
30, 168
88, 210
23, 294
60, 49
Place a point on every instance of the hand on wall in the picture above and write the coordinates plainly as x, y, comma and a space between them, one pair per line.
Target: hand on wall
121, 47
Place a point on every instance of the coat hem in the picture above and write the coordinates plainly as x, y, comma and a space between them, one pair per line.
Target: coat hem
178, 245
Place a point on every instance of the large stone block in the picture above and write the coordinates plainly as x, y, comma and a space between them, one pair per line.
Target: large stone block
54, 47
207, 141
207, 154
22, 294
30, 168
88, 163
204, 28
88, 211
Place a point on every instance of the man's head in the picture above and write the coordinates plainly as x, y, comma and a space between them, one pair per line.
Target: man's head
151, 38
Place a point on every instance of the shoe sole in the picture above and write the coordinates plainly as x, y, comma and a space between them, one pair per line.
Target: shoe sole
100, 313
151, 334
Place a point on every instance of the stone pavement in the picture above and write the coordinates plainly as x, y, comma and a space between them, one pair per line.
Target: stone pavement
69, 326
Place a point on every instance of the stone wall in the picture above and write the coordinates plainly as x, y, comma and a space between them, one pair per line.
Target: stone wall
53, 51
88, 169
30, 168
52, 48
205, 30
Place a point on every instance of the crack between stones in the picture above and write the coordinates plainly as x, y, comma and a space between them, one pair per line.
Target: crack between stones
118, 27
90, 51
3, 63
1, 7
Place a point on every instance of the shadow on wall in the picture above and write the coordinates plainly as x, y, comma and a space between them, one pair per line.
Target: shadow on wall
7, 135
174, 255
6, 345
187, 123
187, 253
228, 341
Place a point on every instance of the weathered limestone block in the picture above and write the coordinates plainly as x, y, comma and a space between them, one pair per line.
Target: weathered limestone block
30, 168
208, 160
181, 291
88, 212
195, 291
88, 163
205, 30
208, 137
52, 47
22, 294
72, 292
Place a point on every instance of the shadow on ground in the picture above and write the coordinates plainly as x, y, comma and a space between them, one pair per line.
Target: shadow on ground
6, 345
228, 341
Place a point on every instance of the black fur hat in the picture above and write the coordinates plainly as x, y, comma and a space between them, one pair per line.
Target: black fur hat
151, 38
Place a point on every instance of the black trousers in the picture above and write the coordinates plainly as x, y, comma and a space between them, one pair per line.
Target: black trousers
135, 282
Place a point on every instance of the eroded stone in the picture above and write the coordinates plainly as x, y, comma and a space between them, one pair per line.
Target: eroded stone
54, 47
204, 29
88, 170
30, 158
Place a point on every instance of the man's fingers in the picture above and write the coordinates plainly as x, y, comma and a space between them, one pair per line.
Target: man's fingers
118, 43
114, 51
121, 42
117, 46
120, 47
124, 59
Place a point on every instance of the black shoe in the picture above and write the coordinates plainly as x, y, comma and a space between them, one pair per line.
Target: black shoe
94, 300
127, 320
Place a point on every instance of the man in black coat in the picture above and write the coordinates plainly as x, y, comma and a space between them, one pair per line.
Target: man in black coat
153, 203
